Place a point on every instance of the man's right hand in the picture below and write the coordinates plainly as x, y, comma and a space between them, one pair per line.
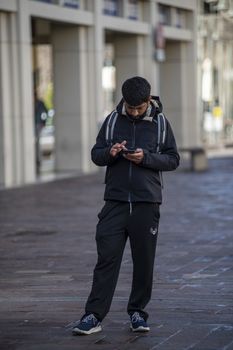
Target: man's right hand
117, 148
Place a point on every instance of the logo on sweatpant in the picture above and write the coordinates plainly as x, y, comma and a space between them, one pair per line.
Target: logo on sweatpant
154, 230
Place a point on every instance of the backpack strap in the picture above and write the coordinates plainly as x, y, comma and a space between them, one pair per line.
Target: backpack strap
110, 127
161, 131
161, 138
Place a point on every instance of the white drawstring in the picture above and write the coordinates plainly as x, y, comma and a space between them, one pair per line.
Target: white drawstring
130, 208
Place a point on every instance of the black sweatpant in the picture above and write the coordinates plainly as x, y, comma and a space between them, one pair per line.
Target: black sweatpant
117, 221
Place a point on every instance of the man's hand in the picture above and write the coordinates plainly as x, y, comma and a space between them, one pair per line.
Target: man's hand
117, 148
136, 157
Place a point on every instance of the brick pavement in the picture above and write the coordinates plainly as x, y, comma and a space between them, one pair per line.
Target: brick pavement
47, 255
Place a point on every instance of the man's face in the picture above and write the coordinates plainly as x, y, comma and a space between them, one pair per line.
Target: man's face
137, 111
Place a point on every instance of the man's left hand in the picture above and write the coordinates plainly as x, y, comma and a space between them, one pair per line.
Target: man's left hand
135, 157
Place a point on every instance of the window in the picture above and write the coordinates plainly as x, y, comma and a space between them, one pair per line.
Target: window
111, 7
164, 15
70, 3
132, 9
75, 4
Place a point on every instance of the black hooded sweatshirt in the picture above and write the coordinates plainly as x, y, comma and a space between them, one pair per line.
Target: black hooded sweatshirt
126, 181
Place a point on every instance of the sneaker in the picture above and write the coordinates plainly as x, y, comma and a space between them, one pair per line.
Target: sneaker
138, 324
87, 325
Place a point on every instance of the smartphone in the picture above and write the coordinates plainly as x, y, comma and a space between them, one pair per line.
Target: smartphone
129, 151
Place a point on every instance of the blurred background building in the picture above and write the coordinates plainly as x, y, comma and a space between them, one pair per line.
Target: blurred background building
215, 67
62, 64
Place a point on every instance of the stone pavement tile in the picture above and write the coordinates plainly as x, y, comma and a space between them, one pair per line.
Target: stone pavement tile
198, 337
221, 337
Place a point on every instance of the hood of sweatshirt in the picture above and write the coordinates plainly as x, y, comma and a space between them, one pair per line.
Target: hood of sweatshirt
154, 108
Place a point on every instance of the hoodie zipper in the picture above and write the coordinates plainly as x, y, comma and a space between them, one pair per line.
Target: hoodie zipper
130, 169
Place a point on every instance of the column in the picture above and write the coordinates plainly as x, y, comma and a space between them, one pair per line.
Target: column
171, 88
191, 123
74, 101
129, 58
191, 126
26, 110
151, 65
178, 89
16, 126
6, 149
65, 40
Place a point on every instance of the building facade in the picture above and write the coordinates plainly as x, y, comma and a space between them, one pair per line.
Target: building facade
154, 39
215, 70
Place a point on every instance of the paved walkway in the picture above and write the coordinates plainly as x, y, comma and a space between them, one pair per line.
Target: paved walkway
47, 255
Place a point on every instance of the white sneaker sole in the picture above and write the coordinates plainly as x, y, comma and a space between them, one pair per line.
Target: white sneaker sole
140, 329
77, 331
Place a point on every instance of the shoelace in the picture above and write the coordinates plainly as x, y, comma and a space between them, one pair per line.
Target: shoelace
136, 317
89, 318
85, 320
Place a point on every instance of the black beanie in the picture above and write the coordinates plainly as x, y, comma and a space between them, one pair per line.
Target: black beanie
135, 91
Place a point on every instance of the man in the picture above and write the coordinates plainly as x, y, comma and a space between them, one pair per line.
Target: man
132, 199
